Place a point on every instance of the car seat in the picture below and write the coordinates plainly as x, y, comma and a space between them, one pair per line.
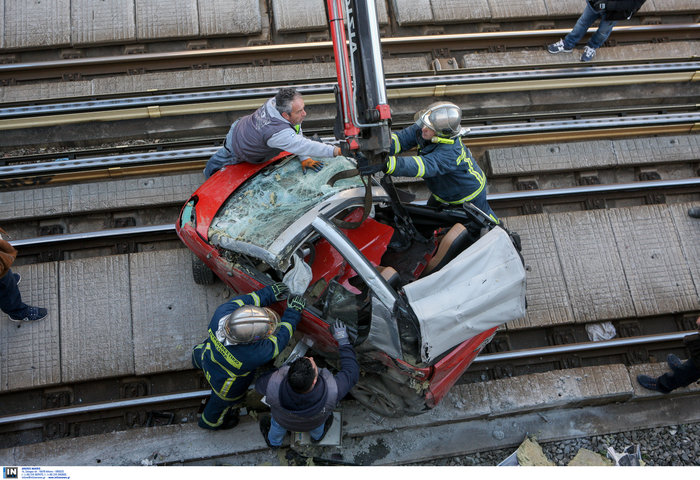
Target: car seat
451, 245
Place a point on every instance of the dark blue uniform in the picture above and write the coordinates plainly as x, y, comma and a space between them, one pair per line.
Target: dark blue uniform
229, 369
447, 167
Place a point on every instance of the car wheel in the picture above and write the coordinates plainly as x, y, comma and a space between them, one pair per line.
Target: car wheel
387, 397
201, 273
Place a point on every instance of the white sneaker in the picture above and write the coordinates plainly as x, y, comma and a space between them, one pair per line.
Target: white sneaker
588, 54
558, 47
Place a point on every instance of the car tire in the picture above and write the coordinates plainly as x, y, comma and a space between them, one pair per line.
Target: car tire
202, 274
387, 397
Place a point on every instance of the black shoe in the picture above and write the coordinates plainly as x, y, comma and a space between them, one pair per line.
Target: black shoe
18, 278
31, 314
694, 212
648, 382
674, 362
326, 427
265, 424
230, 421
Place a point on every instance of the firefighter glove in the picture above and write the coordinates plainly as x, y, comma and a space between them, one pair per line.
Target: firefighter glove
280, 290
297, 302
315, 165
340, 333
364, 167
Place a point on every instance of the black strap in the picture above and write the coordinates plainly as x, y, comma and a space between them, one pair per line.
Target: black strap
367, 207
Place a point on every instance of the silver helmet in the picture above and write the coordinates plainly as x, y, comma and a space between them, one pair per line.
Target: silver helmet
442, 117
250, 323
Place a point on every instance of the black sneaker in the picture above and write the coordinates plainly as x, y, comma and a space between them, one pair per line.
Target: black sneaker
31, 314
674, 362
694, 212
648, 382
18, 278
265, 424
326, 427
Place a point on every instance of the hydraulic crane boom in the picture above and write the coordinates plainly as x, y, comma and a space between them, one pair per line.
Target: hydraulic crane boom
363, 120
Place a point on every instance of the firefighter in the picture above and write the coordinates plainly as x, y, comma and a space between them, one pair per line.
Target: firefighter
442, 160
273, 128
243, 335
302, 396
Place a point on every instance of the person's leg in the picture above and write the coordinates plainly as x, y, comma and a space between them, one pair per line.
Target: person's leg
10, 298
584, 22
317, 432
214, 413
681, 376
223, 156
601, 35
276, 434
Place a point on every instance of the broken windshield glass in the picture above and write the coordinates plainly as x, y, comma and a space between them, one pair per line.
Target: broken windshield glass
263, 207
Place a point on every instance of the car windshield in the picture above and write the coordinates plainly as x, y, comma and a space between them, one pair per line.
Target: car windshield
264, 206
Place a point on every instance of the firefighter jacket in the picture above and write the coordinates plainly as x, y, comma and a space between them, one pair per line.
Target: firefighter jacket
302, 412
229, 369
447, 167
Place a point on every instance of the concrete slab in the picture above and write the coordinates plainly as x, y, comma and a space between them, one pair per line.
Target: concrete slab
459, 11
80, 198
413, 12
683, 49
564, 8
96, 326
170, 312
299, 16
46, 91
656, 269
548, 301
156, 19
2, 25
656, 150
572, 387
97, 21
36, 23
229, 17
382, 12
656, 370
29, 352
278, 73
669, 6
517, 9
206, 77
593, 271
688, 229
528, 159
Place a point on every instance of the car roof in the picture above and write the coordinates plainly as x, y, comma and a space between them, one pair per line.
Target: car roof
270, 214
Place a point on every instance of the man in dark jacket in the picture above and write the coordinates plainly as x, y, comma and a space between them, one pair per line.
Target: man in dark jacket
682, 374
243, 335
10, 298
302, 397
609, 12
271, 129
442, 160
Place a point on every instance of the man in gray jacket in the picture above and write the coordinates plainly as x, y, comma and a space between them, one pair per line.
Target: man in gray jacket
273, 128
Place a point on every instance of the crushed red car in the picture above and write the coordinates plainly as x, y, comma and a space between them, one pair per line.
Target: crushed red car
420, 298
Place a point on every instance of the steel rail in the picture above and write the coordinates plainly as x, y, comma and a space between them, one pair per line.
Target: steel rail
429, 89
445, 78
492, 197
233, 55
523, 127
483, 358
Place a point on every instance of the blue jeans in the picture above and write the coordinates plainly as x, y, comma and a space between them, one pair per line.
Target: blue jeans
584, 21
277, 432
10, 298
223, 156
682, 376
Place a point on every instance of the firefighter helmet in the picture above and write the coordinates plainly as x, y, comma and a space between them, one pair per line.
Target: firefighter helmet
443, 118
250, 323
